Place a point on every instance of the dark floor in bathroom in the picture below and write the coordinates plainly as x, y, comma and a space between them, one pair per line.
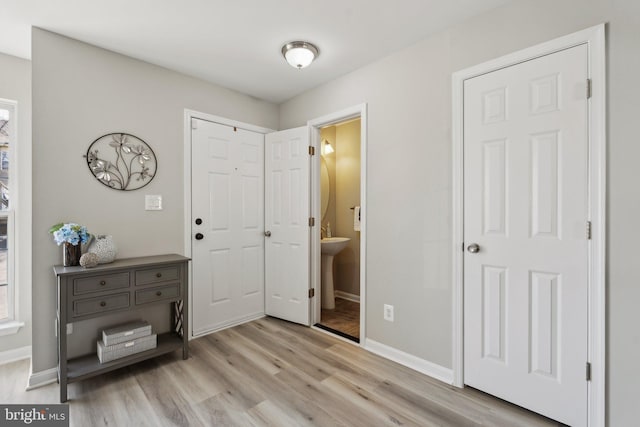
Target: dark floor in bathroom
344, 319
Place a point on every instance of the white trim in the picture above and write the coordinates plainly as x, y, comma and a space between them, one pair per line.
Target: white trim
594, 38
229, 324
10, 328
42, 378
433, 370
15, 354
188, 115
315, 125
12, 291
347, 296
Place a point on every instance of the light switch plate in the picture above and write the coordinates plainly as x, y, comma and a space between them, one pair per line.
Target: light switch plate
153, 202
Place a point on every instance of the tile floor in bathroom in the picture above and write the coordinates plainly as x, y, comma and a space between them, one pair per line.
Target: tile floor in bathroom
344, 318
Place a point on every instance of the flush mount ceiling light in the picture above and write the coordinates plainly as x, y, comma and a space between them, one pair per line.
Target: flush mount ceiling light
299, 54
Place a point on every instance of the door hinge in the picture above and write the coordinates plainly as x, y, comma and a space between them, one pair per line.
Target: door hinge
588, 88
312, 150
588, 371
194, 124
588, 230
312, 292
312, 221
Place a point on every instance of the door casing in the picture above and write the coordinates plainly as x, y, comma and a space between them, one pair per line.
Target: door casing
315, 125
594, 37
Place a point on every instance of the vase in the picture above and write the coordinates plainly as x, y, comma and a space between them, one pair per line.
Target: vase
71, 254
104, 247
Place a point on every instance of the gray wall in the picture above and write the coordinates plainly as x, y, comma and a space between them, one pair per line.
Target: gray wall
409, 171
81, 92
15, 85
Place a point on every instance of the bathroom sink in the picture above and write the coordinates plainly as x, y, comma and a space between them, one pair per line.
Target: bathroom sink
329, 247
333, 245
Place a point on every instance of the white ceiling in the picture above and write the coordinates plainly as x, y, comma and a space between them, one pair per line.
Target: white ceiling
236, 43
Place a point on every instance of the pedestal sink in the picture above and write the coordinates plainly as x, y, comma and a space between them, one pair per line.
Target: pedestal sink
329, 247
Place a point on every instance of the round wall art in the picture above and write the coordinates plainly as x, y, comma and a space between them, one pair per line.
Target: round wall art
121, 161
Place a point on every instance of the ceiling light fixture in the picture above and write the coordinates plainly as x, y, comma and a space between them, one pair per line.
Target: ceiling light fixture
299, 54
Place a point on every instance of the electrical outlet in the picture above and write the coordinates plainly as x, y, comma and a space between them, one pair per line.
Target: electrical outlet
388, 313
69, 328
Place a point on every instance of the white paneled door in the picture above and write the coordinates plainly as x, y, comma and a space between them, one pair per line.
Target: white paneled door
287, 207
227, 224
525, 234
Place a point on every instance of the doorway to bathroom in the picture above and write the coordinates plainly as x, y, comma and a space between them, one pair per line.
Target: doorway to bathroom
339, 185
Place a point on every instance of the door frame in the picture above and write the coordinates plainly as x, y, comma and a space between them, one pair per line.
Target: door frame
188, 233
594, 38
314, 127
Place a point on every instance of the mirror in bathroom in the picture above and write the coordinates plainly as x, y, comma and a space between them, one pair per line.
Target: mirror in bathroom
324, 187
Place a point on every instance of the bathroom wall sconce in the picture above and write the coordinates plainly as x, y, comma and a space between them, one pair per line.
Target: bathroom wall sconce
326, 147
299, 54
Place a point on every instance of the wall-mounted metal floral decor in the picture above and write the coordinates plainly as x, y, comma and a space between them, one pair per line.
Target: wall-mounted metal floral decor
121, 161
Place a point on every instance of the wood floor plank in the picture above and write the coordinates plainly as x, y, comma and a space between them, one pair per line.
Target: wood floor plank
187, 376
269, 415
379, 413
299, 408
171, 407
269, 373
222, 411
324, 397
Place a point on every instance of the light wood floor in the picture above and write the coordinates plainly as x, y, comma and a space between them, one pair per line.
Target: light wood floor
344, 318
268, 373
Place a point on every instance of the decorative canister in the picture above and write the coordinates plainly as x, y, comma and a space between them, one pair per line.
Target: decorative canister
104, 247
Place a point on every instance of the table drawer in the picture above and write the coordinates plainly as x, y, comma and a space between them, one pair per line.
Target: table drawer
157, 275
86, 306
104, 282
162, 293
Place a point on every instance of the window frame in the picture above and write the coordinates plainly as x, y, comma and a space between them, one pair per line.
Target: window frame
9, 213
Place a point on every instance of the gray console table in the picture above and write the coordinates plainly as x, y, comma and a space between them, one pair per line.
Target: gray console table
123, 285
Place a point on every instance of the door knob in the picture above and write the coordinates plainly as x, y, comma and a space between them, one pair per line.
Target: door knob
267, 233
474, 248
199, 236
198, 221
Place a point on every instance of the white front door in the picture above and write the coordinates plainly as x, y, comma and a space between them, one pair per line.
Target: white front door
227, 224
287, 212
526, 209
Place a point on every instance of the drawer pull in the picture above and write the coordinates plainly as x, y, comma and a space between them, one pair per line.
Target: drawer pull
103, 303
159, 293
103, 282
158, 275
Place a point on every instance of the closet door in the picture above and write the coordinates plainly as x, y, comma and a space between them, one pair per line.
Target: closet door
525, 221
227, 224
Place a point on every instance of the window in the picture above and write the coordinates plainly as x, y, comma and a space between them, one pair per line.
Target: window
7, 140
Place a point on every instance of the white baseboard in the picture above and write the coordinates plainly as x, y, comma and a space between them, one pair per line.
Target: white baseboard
228, 324
423, 366
42, 378
16, 354
347, 296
